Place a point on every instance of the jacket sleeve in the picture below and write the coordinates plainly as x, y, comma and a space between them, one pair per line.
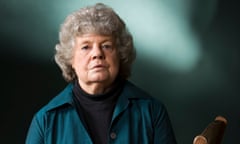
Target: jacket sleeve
35, 133
163, 132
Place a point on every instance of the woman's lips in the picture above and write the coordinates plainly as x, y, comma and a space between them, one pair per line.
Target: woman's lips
98, 67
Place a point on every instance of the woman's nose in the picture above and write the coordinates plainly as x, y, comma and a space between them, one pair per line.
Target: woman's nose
98, 53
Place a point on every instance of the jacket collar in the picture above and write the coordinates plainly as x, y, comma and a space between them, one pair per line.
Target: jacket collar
130, 91
63, 98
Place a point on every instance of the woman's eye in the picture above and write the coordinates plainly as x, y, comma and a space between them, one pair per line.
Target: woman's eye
85, 47
108, 47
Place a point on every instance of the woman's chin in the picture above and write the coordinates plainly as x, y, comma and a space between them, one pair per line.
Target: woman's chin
99, 78
103, 76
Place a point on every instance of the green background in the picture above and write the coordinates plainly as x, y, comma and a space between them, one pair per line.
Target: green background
188, 57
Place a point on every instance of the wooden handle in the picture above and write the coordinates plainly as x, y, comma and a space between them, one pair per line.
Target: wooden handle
213, 133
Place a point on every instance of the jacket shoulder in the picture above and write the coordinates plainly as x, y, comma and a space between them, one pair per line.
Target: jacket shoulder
134, 91
62, 99
139, 95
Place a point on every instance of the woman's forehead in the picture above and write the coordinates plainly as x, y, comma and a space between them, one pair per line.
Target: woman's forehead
91, 37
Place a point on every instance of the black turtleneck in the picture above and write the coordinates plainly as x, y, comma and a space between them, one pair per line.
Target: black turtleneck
96, 110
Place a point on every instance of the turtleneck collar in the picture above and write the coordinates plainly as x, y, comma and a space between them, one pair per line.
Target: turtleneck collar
115, 88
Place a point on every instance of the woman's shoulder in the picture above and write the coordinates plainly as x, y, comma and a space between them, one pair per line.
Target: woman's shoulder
144, 101
62, 99
135, 92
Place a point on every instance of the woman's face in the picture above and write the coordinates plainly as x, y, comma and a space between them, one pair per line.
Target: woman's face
95, 60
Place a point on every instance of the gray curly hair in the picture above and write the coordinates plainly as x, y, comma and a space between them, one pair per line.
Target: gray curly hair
97, 19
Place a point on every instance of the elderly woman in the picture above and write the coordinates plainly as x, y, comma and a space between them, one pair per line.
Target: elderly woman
99, 105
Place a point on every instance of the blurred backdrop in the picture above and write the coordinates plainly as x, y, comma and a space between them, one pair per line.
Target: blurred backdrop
188, 57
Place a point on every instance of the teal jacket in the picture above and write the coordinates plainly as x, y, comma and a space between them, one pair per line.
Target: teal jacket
137, 119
